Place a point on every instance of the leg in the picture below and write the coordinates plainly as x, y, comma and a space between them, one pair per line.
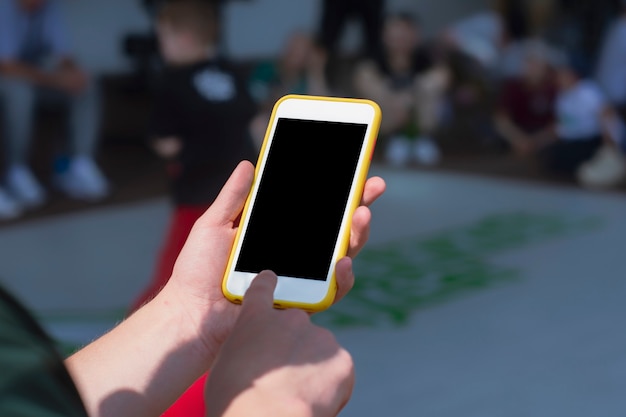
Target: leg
84, 123
429, 90
19, 98
182, 221
335, 13
565, 157
18, 106
81, 177
371, 13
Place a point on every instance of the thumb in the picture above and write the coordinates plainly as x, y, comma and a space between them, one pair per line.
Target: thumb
260, 294
231, 199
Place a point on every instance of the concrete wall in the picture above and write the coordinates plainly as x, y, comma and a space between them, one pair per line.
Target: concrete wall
253, 28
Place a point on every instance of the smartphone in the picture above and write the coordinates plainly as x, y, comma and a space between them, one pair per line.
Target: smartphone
309, 180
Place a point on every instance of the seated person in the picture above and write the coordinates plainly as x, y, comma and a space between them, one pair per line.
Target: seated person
408, 80
526, 103
336, 14
36, 63
480, 36
612, 61
584, 123
298, 70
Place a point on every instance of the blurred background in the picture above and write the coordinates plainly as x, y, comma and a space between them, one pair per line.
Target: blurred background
493, 281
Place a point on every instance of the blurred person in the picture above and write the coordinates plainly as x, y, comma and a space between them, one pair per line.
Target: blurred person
409, 80
264, 361
526, 103
612, 62
36, 64
336, 14
493, 38
481, 36
587, 132
300, 69
199, 124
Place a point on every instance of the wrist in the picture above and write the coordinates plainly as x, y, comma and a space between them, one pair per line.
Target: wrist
198, 324
260, 403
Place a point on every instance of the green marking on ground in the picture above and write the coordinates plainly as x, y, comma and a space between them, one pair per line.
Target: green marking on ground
395, 279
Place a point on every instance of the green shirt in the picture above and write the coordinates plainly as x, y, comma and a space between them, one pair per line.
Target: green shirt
266, 79
33, 378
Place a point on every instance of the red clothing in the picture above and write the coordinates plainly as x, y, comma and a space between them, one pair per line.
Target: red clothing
531, 108
191, 403
181, 223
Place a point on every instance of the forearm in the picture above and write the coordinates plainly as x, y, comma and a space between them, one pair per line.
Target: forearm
508, 130
255, 402
142, 366
545, 137
368, 83
612, 126
26, 72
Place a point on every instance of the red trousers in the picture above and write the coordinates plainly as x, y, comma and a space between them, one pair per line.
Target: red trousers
181, 223
191, 403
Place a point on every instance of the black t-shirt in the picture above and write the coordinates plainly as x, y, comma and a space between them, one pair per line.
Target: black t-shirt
422, 60
208, 107
33, 379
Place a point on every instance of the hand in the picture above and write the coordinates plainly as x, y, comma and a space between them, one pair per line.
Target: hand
195, 285
523, 147
70, 79
316, 63
277, 363
257, 128
167, 148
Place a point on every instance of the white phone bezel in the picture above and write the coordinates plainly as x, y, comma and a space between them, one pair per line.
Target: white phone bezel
293, 289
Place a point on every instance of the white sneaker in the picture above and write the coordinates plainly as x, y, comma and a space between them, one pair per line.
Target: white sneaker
606, 169
398, 152
9, 208
426, 151
83, 180
24, 187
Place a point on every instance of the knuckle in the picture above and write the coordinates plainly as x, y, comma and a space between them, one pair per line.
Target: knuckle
345, 362
296, 317
326, 336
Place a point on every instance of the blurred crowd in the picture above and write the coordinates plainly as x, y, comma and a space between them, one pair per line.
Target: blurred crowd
546, 76
543, 81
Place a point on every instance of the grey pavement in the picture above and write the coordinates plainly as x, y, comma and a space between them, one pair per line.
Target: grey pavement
475, 297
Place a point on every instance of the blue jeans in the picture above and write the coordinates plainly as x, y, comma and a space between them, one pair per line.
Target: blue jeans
18, 100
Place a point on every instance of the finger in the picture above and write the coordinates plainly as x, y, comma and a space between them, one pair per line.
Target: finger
348, 386
261, 291
360, 230
229, 203
344, 276
374, 188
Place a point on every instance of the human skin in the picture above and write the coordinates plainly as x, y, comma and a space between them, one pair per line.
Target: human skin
143, 365
277, 363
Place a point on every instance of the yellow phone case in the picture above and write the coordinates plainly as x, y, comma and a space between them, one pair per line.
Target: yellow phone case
344, 241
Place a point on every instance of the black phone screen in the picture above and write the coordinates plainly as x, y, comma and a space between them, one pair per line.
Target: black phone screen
302, 196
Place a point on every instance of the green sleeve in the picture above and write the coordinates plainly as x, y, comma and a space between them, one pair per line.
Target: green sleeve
33, 378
